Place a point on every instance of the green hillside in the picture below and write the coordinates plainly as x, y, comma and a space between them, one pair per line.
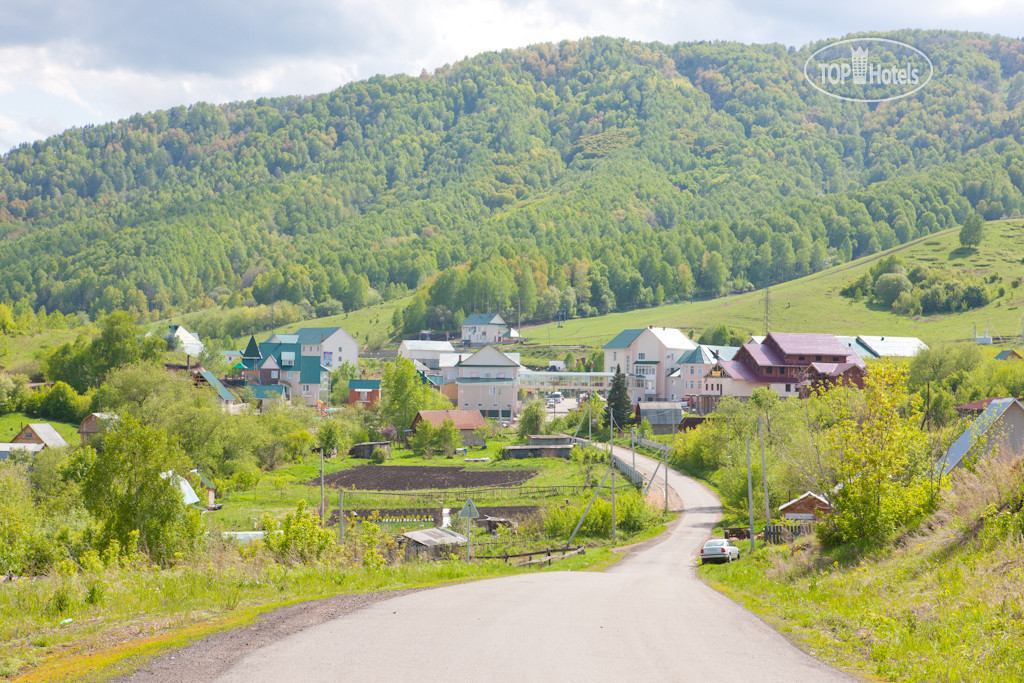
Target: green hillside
813, 303
591, 176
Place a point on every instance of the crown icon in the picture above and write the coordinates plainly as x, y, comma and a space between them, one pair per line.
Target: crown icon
859, 64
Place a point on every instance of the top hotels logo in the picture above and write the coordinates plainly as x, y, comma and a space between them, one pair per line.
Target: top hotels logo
868, 69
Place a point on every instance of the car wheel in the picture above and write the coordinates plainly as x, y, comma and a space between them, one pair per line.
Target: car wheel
729, 557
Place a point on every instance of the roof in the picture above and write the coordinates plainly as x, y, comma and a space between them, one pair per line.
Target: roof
262, 391
799, 498
854, 344
672, 338
623, 339
314, 335
980, 405
903, 347
970, 436
188, 494
435, 537
283, 339
832, 369
737, 370
763, 354
364, 384
483, 319
6, 448
252, 349
707, 354
48, 435
450, 360
805, 344
1007, 354
463, 419
222, 392
427, 345
310, 371
498, 359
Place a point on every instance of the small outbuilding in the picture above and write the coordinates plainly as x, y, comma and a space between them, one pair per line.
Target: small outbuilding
365, 450
364, 391
40, 433
805, 507
1009, 354
663, 416
94, 423
431, 543
466, 421
998, 431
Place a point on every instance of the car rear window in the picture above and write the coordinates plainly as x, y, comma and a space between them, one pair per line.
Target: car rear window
715, 541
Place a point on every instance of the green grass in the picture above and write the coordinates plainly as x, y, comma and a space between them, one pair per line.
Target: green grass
813, 303
12, 423
931, 610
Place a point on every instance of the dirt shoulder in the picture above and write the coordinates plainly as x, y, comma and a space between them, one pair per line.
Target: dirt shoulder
205, 659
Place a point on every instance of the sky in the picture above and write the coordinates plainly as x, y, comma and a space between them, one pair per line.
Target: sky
69, 63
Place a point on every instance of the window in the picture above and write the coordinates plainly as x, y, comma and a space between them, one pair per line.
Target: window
641, 356
490, 391
291, 375
817, 358
836, 359
501, 375
768, 371
802, 358
273, 374
789, 387
615, 355
479, 405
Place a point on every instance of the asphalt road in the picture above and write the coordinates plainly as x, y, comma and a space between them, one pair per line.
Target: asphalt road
647, 617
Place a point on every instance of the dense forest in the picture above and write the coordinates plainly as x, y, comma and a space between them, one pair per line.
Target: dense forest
582, 177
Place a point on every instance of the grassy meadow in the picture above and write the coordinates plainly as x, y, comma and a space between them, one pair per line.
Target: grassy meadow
813, 303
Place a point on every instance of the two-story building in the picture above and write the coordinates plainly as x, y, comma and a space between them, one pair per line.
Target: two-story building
687, 380
650, 353
488, 381
425, 351
785, 362
284, 362
484, 328
331, 345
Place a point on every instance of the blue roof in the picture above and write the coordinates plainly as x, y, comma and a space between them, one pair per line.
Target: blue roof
1003, 355
858, 347
221, 390
284, 339
268, 390
310, 370
707, 354
970, 436
623, 339
364, 384
483, 319
314, 335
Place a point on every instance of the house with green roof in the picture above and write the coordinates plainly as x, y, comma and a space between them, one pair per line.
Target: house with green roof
650, 354
484, 328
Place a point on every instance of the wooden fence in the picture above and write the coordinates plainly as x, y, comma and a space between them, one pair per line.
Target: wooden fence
784, 533
548, 555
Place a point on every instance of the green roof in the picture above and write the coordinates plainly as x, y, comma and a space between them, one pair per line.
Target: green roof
310, 369
364, 384
312, 335
623, 339
221, 390
252, 349
268, 390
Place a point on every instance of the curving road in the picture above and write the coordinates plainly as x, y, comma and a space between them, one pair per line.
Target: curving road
647, 617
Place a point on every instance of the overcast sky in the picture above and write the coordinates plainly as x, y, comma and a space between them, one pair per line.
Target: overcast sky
73, 62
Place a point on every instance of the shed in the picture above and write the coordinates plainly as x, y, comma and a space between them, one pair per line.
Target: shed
805, 507
432, 543
466, 421
550, 440
188, 494
366, 449
517, 452
999, 430
1008, 354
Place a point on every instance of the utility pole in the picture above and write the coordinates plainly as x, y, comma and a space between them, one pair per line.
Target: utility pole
764, 476
323, 506
613, 500
750, 496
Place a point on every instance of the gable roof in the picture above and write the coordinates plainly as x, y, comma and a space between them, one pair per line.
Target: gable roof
806, 344
483, 319
283, 339
46, 433
799, 498
428, 345
315, 335
901, 347
672, 338
974, 433
364, 384
980, 405
311, 372
1008, 354
854, 344
488, 356
222, 392
623, 339
263, 391
463, 419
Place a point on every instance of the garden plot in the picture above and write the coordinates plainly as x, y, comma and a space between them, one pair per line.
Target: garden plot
420, 477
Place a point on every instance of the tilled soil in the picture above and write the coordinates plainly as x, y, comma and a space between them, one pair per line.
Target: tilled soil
205, 659
417, 477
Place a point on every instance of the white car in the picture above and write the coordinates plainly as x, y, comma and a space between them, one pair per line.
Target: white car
719, 550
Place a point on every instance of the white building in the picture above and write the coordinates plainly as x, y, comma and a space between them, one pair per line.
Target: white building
331, 345
488, 382
425, 351
484, 328
650, 353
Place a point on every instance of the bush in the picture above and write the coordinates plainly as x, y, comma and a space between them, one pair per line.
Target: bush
301, 539
379, 455
560, 522
633, 512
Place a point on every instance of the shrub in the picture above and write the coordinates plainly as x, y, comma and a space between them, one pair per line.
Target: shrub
379, 455
633, 512
301, 539
560, 522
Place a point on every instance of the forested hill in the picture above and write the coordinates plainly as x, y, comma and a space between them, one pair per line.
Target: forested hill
593, 175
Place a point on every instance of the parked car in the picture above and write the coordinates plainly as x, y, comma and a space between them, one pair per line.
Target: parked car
719, 550
551, 403
555, 396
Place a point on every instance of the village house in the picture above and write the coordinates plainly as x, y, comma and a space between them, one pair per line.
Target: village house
1008, 354
332, 346
686, 381
94, 423
488, 381
651, 354
785, 362
805, 507
32, 438
187, 341
479, 329
997, 432
363, 391
465, 421
285, 363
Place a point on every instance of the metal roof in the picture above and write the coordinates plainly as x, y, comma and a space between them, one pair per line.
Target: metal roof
222, 392
903, 347
672, 338
805, 344
6, 448
314, 335
48, 435
261, 391
435, 537
854, 345
623, 339
364, 384
428, 345
661, 412
970, 436
483, 319
1007, 354
463, 419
